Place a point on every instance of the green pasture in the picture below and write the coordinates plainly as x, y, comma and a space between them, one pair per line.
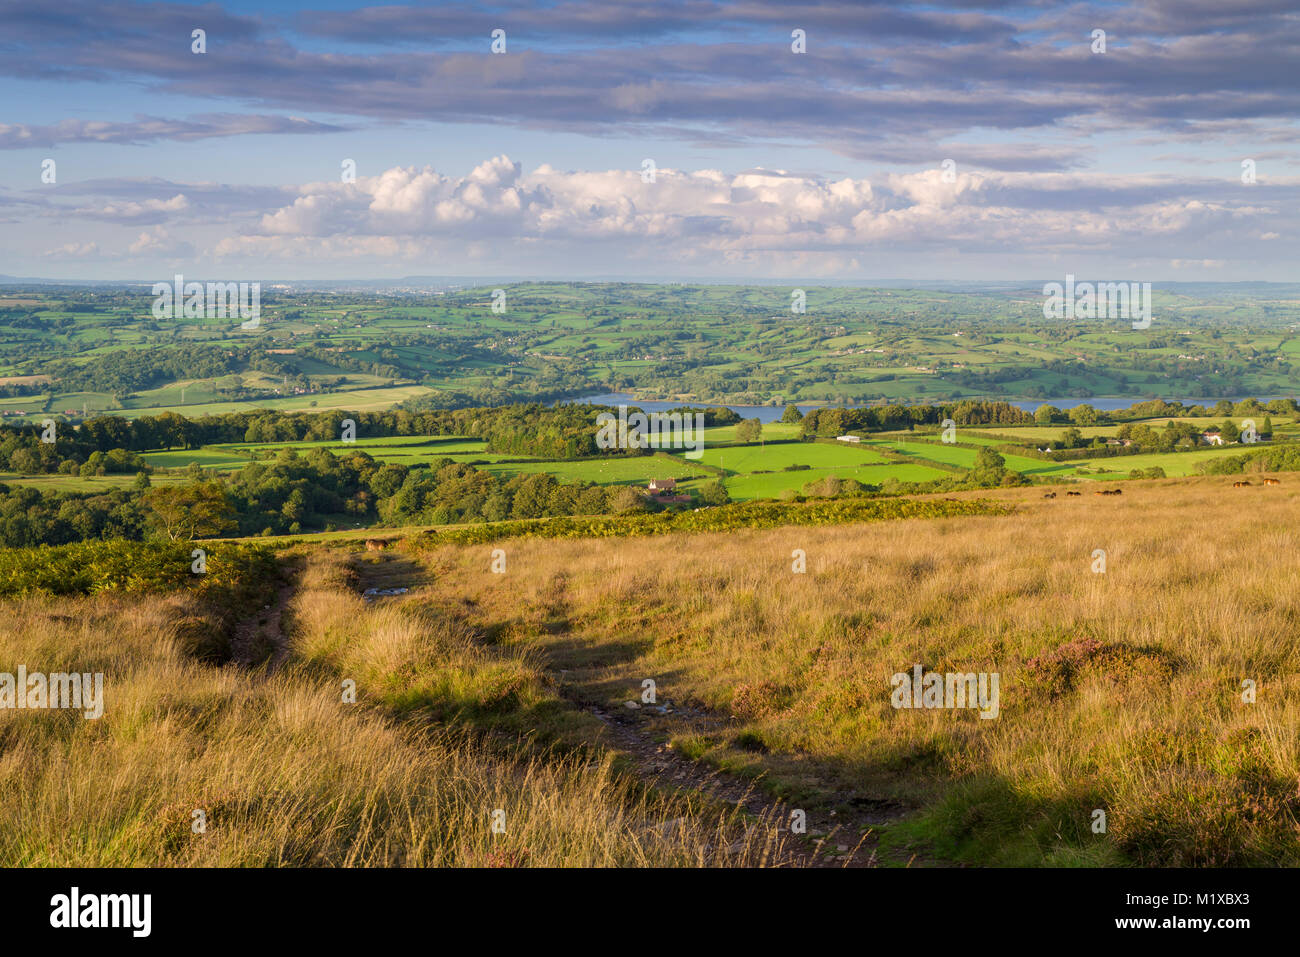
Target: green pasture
964, 458
448, 444
636, 470
356, 400
74, 483
770, 485
743, 459
208, 457
771, 430
1175, 464
1033, 434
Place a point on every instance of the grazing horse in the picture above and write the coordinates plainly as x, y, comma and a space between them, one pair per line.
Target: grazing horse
1240, 484
1272, 482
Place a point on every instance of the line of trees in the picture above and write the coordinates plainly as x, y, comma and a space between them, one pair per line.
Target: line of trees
891, 418
295, 493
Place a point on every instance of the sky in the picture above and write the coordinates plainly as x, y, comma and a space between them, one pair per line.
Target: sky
692, 139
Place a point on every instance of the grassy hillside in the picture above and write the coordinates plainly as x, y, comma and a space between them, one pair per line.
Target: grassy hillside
1120, 690
286, 773
1155, 683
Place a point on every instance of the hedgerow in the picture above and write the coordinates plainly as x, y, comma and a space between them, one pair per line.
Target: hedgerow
720, 519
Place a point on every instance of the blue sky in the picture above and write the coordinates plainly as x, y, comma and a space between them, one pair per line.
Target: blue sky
830, 163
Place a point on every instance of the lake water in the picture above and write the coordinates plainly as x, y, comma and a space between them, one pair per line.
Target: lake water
772, 413
764, 413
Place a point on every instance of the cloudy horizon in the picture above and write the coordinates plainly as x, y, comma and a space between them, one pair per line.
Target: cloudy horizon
822, 140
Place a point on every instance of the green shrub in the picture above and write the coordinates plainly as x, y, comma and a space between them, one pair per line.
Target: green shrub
762, 514
234, 573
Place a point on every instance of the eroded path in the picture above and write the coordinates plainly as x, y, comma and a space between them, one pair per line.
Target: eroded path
832, 836
264, 636
840, 832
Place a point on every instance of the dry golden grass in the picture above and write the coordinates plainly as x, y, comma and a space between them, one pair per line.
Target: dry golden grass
286, 772
1120, 691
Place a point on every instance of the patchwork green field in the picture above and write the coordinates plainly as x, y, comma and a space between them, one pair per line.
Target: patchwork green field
965, 458
615, 471
102, 349
764, 469
741, 459
745, 488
